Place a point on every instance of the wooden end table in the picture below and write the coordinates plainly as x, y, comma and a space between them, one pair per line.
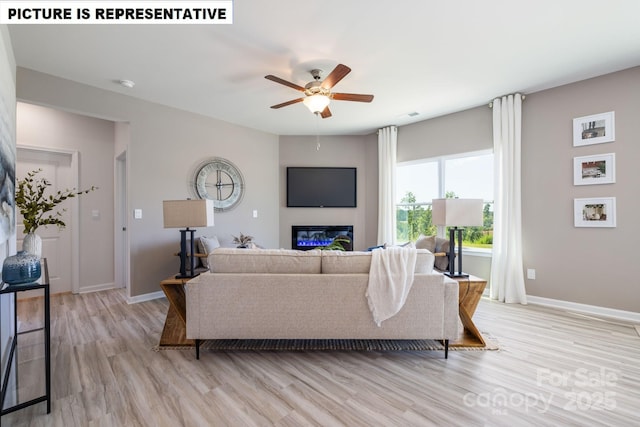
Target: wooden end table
470, 291
174, 333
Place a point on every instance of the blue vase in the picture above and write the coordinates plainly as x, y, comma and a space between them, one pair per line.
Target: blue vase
21, 268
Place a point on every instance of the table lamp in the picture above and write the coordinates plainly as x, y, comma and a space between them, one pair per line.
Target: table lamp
456, 213
185, 214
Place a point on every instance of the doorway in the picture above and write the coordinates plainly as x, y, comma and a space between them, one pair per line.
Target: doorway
60, 247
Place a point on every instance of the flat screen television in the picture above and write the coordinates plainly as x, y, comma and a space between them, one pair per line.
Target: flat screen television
321, 187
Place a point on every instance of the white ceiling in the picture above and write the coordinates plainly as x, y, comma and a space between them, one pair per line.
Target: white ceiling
426, 56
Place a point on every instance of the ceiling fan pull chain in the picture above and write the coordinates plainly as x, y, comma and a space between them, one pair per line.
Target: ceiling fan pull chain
317, 131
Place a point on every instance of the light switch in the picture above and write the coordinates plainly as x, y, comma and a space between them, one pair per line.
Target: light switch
531, 274
137, 213
95, 213
255, 213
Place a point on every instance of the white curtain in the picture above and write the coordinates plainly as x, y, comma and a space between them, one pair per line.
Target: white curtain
507, 277
387, 145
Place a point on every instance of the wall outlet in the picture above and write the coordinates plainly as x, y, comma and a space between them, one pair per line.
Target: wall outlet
255, 213
137, 213
531, 273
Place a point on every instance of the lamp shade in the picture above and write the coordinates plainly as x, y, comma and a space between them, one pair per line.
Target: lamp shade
457, 212
316, 103
187, 213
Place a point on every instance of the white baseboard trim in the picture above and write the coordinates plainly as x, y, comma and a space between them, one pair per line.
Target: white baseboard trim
145, 297
96, 288
594, 310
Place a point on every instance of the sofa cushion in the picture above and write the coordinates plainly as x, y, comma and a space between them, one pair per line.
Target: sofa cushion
206, 245
357, 262
436, 245
341, 262
426, 242
286, 261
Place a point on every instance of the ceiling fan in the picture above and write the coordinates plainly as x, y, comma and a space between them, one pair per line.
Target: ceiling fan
318, 93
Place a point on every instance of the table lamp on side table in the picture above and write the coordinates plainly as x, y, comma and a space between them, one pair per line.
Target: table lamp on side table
187, 213
456, 213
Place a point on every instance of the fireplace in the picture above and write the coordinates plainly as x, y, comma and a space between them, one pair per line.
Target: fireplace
306, 237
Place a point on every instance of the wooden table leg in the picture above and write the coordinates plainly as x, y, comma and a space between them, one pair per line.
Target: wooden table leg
470, 292
471, 336
174, 333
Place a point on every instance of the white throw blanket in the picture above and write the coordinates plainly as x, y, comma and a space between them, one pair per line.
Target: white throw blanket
390, 280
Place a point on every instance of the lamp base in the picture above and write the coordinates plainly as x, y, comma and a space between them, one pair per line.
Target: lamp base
455, 275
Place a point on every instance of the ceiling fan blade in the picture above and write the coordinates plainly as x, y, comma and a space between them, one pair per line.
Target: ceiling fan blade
284, 104
326, 113
352, 97
284, 82
335, 76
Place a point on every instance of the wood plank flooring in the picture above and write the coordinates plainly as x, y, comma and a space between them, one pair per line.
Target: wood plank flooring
554, 368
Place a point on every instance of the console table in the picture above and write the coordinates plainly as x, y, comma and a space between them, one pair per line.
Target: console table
23, 398
470, 291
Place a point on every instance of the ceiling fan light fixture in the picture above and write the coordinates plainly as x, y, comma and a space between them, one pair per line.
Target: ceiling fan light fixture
316, 103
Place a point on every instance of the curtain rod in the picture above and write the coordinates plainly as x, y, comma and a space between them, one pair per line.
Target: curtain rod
491, 103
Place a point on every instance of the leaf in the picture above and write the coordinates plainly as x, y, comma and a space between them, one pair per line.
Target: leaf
33, 204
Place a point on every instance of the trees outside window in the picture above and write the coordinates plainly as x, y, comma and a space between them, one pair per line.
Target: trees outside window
465, 176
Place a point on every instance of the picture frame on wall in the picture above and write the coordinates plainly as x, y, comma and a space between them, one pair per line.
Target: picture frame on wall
594, 212
595, 129
596, 169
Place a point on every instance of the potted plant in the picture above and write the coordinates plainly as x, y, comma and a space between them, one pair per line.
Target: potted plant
243, 241
38, 209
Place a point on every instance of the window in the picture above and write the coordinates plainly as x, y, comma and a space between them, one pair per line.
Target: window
468, 175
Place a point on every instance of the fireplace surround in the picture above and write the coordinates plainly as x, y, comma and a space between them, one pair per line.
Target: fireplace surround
306, 237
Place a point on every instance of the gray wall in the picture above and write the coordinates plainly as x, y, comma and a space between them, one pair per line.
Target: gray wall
583, 265
93, 139
595, 266
338, 151
462, 132
165, 145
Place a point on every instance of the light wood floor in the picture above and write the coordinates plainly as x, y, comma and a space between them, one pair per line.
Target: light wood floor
554, 368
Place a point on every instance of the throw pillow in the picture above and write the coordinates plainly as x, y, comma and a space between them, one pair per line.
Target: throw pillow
428, 243
207, 244
442, 262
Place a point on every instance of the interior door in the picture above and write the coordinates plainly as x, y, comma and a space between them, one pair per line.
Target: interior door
56, 244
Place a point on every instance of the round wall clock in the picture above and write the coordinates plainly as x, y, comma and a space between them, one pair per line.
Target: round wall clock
221, 181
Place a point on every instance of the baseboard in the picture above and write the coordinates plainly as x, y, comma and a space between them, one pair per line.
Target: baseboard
145, 297
96, 288
594, 310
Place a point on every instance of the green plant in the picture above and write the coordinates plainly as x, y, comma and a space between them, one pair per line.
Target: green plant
337, 244
36, 207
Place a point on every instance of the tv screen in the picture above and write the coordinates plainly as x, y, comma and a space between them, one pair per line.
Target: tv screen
321, 187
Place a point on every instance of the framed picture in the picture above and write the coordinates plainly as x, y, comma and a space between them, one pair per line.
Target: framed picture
596, 169
594, 129
595, 212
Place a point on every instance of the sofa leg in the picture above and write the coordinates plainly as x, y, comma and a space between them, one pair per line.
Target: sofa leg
446, 349
197, 349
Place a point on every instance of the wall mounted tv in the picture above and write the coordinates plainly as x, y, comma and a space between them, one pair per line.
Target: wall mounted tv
321, 187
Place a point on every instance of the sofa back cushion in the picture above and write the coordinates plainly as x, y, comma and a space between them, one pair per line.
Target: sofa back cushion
285, 261
338, 262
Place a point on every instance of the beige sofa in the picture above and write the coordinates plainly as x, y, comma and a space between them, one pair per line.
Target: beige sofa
289, 294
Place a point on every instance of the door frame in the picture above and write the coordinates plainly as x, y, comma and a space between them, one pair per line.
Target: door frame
121, 247
74, 207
